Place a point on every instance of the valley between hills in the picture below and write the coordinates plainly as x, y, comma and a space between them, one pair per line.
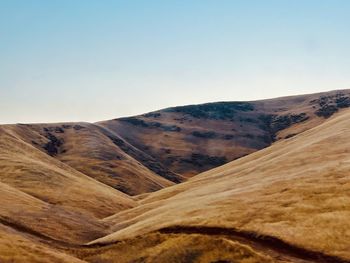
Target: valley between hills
255, 181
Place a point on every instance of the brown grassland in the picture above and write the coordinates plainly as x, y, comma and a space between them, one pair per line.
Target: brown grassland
107, 192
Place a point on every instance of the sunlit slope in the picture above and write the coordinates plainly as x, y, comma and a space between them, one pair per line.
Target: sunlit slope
41, 194
40, 175
28, 214
191, 139
16, 247
297, 190
93, 151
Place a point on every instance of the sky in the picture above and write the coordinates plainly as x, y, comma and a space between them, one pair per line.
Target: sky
85, 60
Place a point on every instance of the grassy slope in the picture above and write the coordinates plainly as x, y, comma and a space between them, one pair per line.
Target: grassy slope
149, 152
49, 197
15, 247
156, 247
91, 150
296, 190
195, 138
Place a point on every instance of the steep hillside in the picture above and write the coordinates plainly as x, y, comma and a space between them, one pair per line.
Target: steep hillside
149, 152
288, 202
192, 139
95, 152
42, 195
293, 196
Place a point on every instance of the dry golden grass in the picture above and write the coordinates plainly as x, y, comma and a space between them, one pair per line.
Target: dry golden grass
87, 148
173, 248
49, 197
297, 190
245, 129
14, 247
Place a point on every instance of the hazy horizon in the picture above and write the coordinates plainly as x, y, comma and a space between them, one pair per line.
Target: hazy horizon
162, 108
96, 60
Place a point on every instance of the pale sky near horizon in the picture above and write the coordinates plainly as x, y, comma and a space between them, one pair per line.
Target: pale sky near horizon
88, 60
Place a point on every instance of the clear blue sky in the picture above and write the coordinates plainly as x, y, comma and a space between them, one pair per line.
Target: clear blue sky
65, 60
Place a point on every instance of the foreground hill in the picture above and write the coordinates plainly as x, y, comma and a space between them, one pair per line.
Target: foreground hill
291, 197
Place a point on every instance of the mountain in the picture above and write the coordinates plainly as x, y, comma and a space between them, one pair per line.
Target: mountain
195, 138
149, 152
260, 181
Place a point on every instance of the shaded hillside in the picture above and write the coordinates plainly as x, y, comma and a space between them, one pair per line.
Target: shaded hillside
96, 152
292, 197
192, 139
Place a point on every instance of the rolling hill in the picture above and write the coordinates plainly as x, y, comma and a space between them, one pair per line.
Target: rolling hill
260, 181
294, 194
195, 138
146, 153
92, 150
44, 195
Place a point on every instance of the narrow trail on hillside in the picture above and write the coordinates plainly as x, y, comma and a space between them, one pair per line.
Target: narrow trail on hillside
272, 246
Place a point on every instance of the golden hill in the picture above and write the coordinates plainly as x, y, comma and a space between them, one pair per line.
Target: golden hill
65, 188
295, 193
149, 152
93, 151
195, 138
49, 197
